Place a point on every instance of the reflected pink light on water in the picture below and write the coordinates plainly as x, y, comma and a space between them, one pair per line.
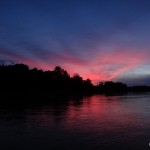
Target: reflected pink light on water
93, 114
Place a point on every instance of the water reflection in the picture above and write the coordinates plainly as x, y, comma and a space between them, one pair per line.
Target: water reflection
95, 122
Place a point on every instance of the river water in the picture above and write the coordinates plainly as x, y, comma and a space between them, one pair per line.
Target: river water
95, 122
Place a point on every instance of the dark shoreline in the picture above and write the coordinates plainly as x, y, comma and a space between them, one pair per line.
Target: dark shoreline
19, 81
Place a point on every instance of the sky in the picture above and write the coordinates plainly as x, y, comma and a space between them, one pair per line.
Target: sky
98, 39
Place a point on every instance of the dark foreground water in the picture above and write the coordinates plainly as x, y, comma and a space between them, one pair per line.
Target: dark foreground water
78, 123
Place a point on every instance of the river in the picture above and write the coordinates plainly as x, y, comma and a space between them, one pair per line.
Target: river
95, 122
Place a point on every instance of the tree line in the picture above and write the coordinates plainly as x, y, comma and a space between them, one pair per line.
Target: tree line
19, 77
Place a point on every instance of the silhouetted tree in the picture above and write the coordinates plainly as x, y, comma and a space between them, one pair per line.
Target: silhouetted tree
19, 77
110, 86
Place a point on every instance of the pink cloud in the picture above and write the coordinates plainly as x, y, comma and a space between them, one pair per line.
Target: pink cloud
106, 66
98, 66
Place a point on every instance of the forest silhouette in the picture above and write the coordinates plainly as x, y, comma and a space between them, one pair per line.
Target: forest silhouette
18, 77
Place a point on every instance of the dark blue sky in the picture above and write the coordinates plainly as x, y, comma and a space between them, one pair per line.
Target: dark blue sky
99, 39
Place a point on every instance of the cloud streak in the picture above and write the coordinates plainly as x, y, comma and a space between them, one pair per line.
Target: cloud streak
99, 67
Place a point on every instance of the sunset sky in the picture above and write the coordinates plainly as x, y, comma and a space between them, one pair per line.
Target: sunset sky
99, 39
